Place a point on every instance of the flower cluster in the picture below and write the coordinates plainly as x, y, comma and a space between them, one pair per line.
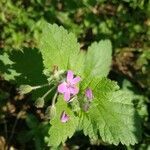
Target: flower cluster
69, 89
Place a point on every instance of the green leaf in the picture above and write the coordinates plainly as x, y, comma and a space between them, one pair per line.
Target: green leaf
113, 113
77, 64
60, 48
98, 59
28, 63
5, 67
104, 84
86, 125
59, 132
5, 59
10, 74
24, 67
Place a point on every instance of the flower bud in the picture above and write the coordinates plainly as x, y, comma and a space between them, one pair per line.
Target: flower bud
86, 107
39, 103
50, 112
24, 89
57, 74
64, 117
89, 94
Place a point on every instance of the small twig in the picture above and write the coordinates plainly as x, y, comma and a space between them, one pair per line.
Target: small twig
5, 129
6, 132
14, 126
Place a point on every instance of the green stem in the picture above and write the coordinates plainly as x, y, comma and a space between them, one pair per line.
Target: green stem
39, 86
54, 99
46, 94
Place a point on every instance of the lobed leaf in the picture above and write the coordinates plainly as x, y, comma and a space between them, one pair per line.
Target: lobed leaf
59, 132
86, 125
60, 48
112, 114
98, 59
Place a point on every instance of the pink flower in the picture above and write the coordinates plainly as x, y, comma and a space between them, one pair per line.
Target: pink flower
64, 117
89, 94
69, 87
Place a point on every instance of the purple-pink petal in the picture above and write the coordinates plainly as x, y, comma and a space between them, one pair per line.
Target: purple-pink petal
74, 90
89, 94
64, 117
67, 95
62, 87
76, 80
69, 76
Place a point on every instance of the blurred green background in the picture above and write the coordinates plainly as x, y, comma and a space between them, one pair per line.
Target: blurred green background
126, 23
